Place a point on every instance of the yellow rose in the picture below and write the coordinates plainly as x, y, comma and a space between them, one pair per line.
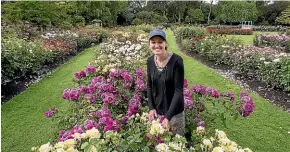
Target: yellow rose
207, 143
93, 133
225, 141
247, 150
77, 136
93, 149
59, 145
162, 147
241, 150
218, 149
200, 130
34, 149
144, 117
220, 134
70, 143
212, 139
156, 128
60, 150
71, 149
45, 148
175, 146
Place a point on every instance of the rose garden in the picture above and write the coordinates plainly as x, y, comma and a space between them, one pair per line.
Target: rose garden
83, 87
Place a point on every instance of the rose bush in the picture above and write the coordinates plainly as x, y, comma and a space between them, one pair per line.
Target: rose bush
270, 65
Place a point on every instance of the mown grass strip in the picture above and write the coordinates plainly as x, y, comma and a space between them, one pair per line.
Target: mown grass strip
24, 124
248, 39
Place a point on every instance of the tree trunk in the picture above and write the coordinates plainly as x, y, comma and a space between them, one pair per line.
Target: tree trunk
208, 17
179, 18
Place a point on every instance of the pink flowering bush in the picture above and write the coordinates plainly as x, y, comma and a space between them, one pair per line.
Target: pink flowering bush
50, 112
273, 40
123, 93
223, 104
110, 112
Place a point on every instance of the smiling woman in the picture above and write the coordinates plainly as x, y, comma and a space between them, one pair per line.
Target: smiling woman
165, 82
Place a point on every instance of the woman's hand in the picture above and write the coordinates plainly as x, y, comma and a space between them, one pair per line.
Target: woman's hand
152, 114
165, 123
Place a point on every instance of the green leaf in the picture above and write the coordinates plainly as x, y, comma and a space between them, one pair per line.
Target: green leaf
134, 146
84, 145
146, 149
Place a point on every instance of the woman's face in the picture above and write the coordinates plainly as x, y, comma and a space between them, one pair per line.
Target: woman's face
157, 45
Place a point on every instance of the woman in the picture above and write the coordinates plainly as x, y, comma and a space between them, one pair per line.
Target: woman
165, 73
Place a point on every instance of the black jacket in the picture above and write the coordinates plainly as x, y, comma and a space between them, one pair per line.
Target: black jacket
174, 99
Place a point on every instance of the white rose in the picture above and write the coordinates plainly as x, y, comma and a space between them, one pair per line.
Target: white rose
162, 147
276, 60
207, 143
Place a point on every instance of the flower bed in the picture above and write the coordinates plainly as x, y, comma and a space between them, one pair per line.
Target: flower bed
237, 31
267, 64
278, 28
110, 114
21, 59
273, 40
122, 51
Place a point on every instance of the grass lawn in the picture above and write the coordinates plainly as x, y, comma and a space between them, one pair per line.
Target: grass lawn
264, 131
24, 124
248, 39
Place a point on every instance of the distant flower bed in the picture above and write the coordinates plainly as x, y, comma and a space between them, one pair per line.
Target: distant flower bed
270, 28
270, 65
188, 32
273, 40
21, 59
237, 31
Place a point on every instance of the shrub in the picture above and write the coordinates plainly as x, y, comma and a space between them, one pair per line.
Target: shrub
273, 40
20, 59
188, 32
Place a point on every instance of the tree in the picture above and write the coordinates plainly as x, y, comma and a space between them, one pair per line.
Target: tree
145, 16
181, 6
130, 12
158, 7
284, 18
194, 16
64, 14
269, 13
235, 12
